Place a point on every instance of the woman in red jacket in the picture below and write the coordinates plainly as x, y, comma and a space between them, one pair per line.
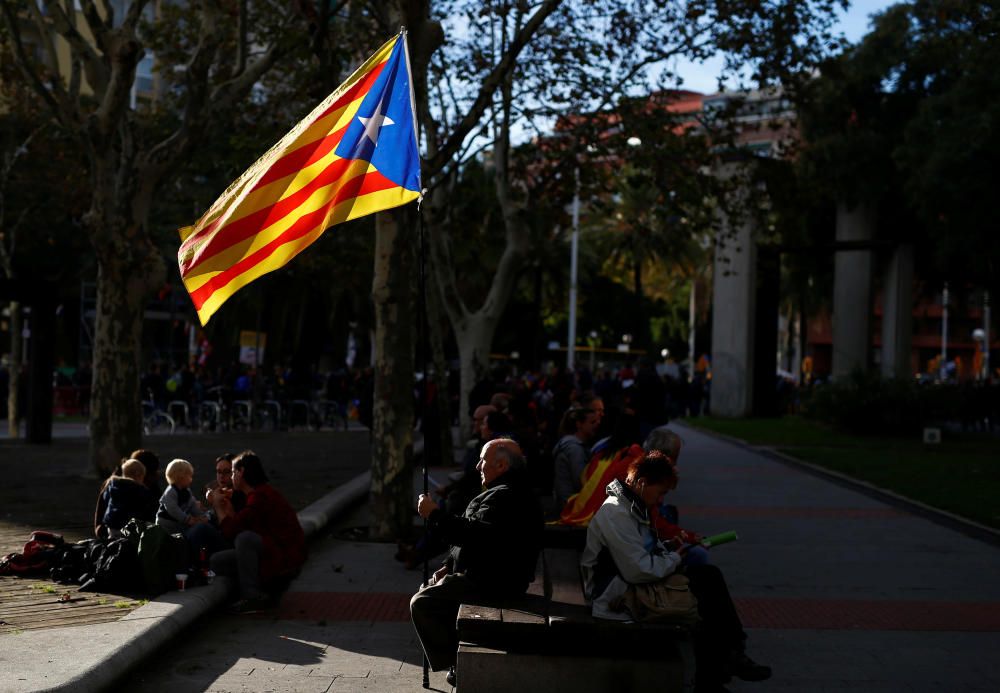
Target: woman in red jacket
268, 541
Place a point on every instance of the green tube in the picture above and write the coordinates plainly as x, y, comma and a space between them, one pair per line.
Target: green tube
716, 539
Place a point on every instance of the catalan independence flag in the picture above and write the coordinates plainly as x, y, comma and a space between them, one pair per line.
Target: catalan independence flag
354, 155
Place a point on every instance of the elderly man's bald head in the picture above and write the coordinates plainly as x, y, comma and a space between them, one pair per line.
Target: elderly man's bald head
498, 457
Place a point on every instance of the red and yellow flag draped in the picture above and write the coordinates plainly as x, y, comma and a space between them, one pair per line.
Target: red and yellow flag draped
354, 155
602, 469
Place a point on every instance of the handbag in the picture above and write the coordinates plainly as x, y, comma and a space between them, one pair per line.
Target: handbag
669, 600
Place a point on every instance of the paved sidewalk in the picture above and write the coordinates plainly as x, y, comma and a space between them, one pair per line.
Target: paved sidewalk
839, 591
50, 487
343, 625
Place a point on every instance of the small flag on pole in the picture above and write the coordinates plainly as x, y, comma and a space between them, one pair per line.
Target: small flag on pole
354, 155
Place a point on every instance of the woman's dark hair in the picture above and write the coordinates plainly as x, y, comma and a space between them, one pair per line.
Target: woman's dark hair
149, 460
654, 467
253, 470
571, 418
626, 432
498, 423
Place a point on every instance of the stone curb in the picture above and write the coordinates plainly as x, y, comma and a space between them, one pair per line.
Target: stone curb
947, 519
102, 653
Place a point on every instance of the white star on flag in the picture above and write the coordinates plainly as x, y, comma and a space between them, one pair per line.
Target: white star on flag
375, 123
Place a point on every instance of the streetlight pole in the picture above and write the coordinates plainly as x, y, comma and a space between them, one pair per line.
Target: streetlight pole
986, 337
691, 327
573, 270
944, 332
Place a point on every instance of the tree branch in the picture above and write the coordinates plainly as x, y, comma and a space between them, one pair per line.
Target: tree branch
94, 67
489, 87
98, 27
203, 104
444, 268
55, 98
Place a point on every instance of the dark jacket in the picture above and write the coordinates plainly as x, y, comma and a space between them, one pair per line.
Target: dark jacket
125, 499
496, 542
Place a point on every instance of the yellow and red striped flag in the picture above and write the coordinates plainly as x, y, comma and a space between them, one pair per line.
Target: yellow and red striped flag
354, 155
602, 469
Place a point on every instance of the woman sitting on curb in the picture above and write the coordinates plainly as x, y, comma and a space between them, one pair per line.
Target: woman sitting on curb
269, 544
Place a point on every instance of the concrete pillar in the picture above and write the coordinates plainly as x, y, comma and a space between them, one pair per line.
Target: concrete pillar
897, 314
733, 307
764, 324
852, 291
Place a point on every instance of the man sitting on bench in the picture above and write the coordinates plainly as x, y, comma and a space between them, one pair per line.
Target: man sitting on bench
495, 547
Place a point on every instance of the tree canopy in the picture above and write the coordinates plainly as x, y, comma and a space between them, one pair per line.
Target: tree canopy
909, 118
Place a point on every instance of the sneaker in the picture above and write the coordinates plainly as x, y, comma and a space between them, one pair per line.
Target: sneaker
451, 678
742, 667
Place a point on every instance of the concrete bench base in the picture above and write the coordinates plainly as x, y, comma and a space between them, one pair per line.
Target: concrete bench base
483, 670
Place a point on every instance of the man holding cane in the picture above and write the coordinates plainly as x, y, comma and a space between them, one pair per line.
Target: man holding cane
495, 546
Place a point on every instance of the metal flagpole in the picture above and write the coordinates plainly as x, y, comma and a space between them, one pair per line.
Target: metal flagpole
422, 323
422, 360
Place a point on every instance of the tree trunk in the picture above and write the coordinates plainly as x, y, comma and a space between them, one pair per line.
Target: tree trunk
392, 496
15, 368
641, 337
115, 414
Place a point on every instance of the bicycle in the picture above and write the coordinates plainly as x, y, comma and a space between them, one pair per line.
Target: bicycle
154, 419
213, 414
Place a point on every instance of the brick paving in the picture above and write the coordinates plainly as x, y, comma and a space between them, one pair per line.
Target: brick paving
368, 607
777, 613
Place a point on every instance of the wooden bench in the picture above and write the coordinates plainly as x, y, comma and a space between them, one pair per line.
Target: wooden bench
547, 640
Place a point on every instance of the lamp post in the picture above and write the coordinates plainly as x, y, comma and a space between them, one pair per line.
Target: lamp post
573, 270
986, 337
944, 332
691, 328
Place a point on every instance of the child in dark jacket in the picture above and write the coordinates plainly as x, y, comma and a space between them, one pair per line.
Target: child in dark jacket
126, 497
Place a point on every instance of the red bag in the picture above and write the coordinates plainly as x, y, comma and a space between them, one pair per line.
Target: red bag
38, 554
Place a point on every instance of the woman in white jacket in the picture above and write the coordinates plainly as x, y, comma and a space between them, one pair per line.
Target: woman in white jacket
622, 548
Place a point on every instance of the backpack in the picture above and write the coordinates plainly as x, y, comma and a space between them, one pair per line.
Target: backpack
75, 562
161, 556
41, 551
118, 567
